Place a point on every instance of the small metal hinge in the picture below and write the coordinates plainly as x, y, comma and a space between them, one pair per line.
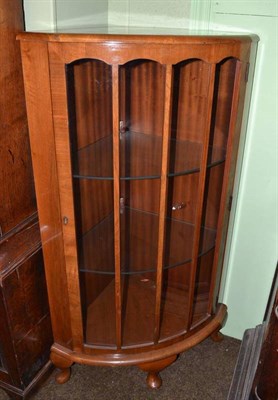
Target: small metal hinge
230, 203
247, 72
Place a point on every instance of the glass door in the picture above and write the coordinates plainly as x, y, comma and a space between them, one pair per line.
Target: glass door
141, 127
220, 134
148, 151
89, 86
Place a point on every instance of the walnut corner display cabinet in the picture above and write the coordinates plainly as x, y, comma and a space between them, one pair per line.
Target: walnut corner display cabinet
134, 142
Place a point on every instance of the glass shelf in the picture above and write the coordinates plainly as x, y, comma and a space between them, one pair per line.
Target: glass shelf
95, 161
139, 233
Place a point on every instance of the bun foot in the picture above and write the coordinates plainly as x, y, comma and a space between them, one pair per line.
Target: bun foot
63, 365
153, 368
153, 380
217, 336
63, 376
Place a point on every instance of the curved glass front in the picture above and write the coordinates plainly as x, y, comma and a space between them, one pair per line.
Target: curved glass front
141, 100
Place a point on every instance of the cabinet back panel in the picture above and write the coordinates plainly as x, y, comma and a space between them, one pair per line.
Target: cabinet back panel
190, 98
142, 96
93, 202
183, 191
98, 309
142, 194
90, 91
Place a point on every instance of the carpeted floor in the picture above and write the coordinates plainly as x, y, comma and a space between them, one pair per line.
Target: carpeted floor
202, 373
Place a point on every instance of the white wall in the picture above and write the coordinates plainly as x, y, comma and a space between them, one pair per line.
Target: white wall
47, 15
65, 14
253, 242
39, 15
81, 13
151, 13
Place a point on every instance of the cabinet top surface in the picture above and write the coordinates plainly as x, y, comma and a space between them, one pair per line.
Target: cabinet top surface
135, 34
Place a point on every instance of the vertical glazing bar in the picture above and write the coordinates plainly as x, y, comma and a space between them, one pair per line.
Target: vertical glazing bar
116, 187
163, 194
200, 198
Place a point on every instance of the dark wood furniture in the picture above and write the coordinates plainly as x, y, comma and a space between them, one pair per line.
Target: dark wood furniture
25, 334
256, 373
25, 329
17, 195
134, 143
265, 384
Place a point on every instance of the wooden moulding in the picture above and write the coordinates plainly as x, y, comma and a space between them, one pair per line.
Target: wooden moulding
155, 354
22, 394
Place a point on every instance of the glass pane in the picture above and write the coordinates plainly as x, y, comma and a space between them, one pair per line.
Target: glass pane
202, 288
98, 308
140, 155
139, 225
89, 86
174, 301
190, 100
214, 180
224, 85
141, 128
90, 116
141, 115
138, 308
94, 224
139, 233
211, 207
181, 210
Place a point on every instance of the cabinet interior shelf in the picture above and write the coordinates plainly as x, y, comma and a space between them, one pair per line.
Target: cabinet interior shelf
140, 157
139, 246
101, 330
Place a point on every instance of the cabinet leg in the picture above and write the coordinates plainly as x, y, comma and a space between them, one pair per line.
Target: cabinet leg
153, 368
217, 336
63, 365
